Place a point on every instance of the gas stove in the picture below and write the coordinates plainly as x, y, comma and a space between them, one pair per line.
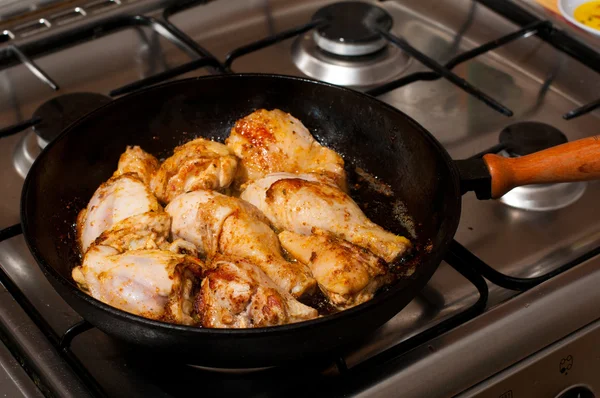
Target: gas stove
514, 309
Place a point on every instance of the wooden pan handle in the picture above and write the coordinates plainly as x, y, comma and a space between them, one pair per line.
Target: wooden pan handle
574, 161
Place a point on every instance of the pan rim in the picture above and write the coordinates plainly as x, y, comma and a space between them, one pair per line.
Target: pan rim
431, 264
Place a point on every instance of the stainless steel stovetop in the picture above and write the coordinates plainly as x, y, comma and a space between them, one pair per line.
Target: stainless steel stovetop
535, 80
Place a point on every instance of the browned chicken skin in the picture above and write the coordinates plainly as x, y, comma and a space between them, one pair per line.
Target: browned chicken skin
299, 203
138, 162
275, 141
197, 164
238, 294
217, 223
143, 259
347, 274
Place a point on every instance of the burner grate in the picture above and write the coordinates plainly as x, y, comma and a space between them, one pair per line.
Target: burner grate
444, 72
503, 280
461, 259
461, 263
557, 38
36, 70
511, 282
529, 30
269, 41
582, 110
56, 340
456, 258
14, 55
166, 75
531, 26
207, 60
440, 71
17, 128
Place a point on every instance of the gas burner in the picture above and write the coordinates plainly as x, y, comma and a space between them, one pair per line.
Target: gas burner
349, 28
523, 138
61, 111
346, 50
54, 115
26, 151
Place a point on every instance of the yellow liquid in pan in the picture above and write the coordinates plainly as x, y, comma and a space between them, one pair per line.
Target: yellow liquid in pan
589, 14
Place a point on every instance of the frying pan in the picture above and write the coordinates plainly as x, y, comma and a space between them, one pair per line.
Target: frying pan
368, 133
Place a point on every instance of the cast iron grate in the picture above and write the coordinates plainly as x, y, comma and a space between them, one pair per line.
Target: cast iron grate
438, 70
555, 37
461, 259
13, 55
531, 25
457, 258
60, 343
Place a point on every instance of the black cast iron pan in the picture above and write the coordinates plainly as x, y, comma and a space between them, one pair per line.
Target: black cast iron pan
368, 133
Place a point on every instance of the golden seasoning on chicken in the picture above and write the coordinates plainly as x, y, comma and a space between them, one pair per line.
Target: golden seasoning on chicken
155, 284
275, 141
347, 274
238, 294
148, 230
198, 164
115, 200
217, 223
300, 204
138, 162
293, 229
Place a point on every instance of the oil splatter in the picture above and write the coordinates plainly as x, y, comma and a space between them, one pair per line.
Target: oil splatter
374, 183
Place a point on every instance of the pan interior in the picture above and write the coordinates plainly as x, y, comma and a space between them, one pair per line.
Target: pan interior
404, 171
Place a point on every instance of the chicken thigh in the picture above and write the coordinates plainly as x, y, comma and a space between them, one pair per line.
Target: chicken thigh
217, 223
347, 274
300, 204
138, 162
238, 294
275, 141
115, 200
198, 164
155, 284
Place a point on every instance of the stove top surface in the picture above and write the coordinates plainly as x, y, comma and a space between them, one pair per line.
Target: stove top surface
537, 82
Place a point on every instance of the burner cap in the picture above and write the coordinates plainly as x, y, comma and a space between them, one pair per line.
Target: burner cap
63, 110
366, 71
349, 30
528, 137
